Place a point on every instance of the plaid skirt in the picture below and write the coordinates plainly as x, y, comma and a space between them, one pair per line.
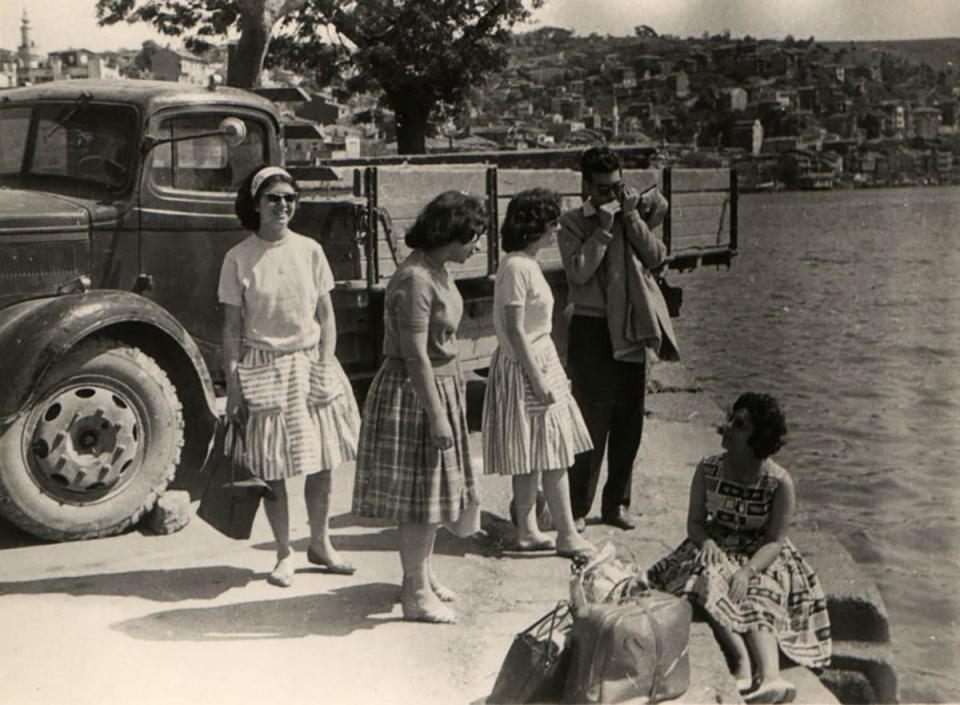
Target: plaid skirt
301, 415
520, 433
401, 475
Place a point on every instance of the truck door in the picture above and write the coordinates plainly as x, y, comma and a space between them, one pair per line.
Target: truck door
187, 216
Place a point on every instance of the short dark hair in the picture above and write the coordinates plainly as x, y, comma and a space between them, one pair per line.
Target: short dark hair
453, 215
769, 422
245, 204
528, 215
599, 160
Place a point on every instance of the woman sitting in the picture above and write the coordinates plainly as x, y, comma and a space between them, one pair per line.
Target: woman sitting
737, 562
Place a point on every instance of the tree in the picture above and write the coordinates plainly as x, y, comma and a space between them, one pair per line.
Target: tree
201, 20
423, 55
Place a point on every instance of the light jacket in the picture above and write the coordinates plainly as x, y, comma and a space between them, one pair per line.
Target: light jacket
609, 276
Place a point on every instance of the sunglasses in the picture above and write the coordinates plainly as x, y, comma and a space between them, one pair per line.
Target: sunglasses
282, 197
605, 190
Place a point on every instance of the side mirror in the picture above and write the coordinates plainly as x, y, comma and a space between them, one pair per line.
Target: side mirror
234, 131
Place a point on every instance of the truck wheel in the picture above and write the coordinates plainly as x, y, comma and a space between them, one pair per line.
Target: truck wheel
100, 442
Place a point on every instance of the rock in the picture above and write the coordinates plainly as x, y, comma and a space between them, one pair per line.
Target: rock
170, 514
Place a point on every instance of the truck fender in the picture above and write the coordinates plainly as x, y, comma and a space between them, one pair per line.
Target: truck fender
36, 334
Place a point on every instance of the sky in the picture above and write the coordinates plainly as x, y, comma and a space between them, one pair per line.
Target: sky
65, 24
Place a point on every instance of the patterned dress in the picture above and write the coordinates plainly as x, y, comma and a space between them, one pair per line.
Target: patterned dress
785, 598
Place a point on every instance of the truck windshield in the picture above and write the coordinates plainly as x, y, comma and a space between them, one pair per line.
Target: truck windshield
87, 143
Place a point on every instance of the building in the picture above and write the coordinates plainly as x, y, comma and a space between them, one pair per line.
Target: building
320, 110
747, 135
925, 122
80, 63
168, 64
8, 69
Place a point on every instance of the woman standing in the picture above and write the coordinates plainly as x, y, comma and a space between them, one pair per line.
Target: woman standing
532, 427
289, 403
413, 462
737, 562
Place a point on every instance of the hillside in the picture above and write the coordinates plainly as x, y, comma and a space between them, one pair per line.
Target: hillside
937, 53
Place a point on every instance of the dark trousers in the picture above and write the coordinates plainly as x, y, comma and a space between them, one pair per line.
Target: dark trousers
610, 394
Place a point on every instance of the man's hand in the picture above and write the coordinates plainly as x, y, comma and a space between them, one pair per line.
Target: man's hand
606, 214
653, 207
630, 200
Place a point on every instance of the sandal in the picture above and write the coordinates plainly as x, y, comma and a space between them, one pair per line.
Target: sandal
342, 568
282, 574
778, 691
416, 613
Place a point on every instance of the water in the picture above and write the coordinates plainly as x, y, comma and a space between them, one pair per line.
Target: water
846, 305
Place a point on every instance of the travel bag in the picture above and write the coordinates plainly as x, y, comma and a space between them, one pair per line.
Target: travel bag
633, 650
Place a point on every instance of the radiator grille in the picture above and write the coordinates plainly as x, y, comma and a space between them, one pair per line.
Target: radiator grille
42, 259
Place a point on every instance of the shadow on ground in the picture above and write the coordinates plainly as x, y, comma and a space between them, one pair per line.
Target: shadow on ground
496, 533
159, 585
335, 613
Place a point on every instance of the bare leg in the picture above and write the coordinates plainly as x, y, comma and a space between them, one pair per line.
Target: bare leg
771, 688
734, 644
417, 599
279, 517
525, 497
316, 493
557, 491
439, 589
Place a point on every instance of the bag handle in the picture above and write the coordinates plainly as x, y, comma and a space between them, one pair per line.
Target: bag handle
554, 616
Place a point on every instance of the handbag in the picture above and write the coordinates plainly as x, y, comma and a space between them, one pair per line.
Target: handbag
534, 668
635, 649
232, 496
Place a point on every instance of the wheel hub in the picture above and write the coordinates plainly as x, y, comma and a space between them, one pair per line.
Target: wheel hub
84, 440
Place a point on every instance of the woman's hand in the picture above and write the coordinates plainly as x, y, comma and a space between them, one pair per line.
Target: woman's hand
540, 390
234, 395
711, 553
441, 434
739, 583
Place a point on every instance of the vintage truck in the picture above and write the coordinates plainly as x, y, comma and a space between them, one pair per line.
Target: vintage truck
116, 209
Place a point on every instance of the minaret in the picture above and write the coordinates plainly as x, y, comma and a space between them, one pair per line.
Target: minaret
27, 49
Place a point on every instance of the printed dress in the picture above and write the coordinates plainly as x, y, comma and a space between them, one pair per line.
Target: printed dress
786, 598
520, 433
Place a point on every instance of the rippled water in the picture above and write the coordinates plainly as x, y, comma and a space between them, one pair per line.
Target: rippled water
846, 305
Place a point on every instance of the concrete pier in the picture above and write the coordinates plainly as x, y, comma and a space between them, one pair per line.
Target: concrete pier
189, 617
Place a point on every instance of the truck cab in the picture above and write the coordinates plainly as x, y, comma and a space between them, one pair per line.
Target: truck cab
116, 209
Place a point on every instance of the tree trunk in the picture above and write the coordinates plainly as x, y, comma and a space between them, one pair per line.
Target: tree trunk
411, 115
257, 20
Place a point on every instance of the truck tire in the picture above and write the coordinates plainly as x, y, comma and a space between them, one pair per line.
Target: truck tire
95, 449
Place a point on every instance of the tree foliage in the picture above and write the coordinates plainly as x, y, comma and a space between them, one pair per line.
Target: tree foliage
422, 55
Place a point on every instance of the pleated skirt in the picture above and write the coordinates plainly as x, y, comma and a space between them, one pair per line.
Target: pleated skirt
401, 475
302, 416
521, 434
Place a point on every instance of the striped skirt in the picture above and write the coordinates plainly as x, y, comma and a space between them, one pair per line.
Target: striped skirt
301, 415
522, 435
401, 475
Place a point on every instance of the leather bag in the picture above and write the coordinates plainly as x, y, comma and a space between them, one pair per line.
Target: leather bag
232, 496
534, 668
637, 649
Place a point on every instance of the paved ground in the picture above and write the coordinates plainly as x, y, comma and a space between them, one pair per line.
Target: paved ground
189, 618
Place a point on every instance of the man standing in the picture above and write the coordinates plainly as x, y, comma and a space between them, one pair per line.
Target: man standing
609, 253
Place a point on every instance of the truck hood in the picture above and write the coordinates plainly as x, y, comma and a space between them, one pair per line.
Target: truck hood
34, 212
